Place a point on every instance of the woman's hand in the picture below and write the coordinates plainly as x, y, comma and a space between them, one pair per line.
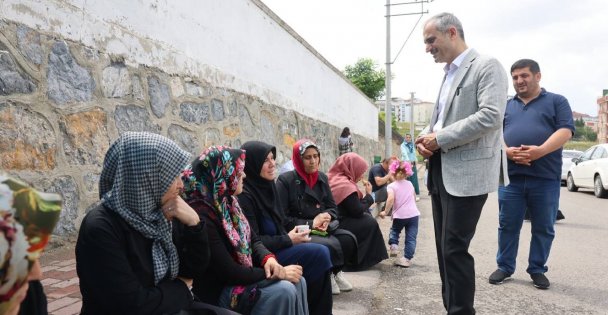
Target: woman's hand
177, 208
321, 221
293, 273
187, 282
273, 269
35, 272
382, 214
368, 187
299, 237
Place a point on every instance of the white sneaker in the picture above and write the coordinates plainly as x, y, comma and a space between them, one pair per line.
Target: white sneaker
417, 198
335, 290
343, 284
403, 262
394, 250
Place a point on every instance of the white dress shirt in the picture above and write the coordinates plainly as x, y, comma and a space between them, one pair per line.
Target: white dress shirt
450, 72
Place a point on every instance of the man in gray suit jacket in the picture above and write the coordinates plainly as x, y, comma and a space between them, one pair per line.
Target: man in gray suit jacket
464, 147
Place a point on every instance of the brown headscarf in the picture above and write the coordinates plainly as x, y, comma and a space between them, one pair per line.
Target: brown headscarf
343, 176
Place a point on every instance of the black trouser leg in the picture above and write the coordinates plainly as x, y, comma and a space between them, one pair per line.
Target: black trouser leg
349, 249
455, 220
320, 300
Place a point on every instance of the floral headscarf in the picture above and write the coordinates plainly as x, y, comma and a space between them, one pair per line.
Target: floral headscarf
298, 151
27, 219
343, 175
213, 178
137, 171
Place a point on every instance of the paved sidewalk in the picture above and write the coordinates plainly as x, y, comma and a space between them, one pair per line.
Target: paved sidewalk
60, 281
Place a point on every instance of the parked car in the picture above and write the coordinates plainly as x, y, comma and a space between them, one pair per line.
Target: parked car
567, 156
590, 170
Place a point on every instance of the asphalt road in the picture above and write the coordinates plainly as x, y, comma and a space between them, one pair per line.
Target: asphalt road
578, 268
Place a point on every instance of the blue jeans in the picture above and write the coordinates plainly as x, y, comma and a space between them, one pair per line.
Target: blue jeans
281, 297
411, 232
541, 197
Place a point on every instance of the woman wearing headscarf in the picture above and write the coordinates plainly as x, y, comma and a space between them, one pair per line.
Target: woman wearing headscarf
243, 275
126, 257
353, 209
305, 199
259, 204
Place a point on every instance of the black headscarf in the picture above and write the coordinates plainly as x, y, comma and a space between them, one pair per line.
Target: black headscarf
261, 191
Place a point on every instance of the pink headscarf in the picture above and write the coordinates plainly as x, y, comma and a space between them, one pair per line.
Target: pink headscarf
343, 176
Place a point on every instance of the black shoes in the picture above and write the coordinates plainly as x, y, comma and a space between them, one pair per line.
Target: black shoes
498, 277
540, 281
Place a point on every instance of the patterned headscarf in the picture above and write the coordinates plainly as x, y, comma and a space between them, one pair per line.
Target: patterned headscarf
343, 176
213, 178
137, 171
298, 151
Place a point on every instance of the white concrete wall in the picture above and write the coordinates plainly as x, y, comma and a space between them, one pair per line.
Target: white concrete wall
237, 44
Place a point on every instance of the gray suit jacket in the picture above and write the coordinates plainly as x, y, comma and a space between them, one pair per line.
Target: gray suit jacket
473, 161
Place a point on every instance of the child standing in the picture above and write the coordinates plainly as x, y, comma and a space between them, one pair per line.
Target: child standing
402, 203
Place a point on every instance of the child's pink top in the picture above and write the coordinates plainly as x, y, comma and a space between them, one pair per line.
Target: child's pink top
404, 206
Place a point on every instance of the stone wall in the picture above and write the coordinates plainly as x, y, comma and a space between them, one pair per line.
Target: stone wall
62, 104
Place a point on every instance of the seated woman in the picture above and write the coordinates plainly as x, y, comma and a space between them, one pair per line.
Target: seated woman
126, 258
305, 199
243, 275
352, 209
258, 201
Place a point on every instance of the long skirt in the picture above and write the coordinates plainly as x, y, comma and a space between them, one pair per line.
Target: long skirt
371, 248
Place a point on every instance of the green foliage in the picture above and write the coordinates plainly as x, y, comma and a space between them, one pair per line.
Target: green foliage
579, 145
364, 75
394, 126
584, 133
579, 123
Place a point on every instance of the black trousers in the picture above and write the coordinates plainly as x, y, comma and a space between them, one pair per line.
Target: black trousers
455, 220
320, 292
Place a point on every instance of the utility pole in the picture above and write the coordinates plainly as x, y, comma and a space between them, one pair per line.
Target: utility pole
412, 115
388, 131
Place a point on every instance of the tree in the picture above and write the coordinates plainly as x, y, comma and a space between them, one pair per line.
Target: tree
382, 116
364, 75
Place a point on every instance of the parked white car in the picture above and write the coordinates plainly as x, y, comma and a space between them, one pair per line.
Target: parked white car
590, 170
567, 156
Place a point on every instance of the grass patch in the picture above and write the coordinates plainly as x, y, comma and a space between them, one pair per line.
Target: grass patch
579, 145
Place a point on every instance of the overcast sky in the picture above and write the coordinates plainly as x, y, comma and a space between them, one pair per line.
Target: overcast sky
569, 39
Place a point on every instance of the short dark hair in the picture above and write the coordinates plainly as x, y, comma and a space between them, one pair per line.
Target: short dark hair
345, 132
388, 159
443, 21
526, 63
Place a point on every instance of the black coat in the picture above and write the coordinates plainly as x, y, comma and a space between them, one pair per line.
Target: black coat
355, 218
255, 215
223, 269
300, 203
114, 264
